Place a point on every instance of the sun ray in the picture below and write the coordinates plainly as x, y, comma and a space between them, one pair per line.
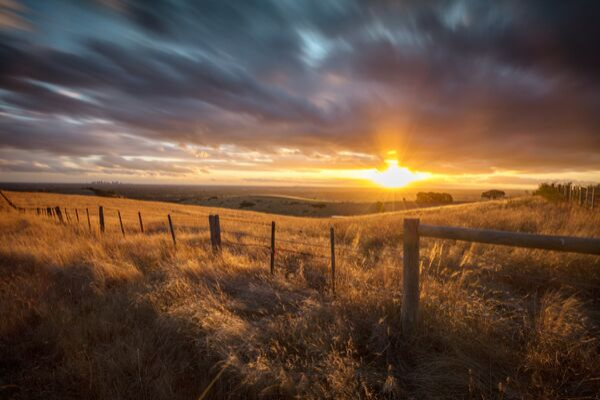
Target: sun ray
394, 176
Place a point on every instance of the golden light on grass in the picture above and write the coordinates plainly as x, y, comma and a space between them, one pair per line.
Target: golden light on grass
394, 176
117, 297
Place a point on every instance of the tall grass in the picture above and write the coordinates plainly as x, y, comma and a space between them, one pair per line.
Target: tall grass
86, 315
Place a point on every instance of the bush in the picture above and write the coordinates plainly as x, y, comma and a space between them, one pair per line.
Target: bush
433, 197
246, 204
493, 194
549, 191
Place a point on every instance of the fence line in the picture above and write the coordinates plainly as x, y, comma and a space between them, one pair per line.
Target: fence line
584, 196
10, 203
412, 232
57, 213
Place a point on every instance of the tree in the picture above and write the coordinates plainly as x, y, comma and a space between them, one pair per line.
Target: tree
493, 194
433, 197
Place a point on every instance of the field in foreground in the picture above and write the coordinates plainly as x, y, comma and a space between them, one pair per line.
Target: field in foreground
96, 316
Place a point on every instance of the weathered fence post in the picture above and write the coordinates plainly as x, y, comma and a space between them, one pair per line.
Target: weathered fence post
410, 276
59, 214
580, 190
101, 218
172, 230
215, 232
593, 194
211, 228
141, 223
121, 223
217, 223
272, 247
87, 211
332, 239
77, 215
49, 212
587, 195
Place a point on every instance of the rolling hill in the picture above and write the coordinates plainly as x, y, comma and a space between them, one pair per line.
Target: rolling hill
113, 316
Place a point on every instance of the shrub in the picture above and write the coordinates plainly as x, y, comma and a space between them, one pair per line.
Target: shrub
433, 197
246, 204
549, 191
493, 194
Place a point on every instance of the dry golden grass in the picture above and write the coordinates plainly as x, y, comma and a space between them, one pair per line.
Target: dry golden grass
85, 315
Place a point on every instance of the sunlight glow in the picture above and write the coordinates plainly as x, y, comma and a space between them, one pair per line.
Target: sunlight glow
395, 176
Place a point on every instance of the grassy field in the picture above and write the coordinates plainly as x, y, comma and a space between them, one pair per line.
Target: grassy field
85, 315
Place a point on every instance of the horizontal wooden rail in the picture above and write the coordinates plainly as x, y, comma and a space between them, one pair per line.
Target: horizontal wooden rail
413, 230
517, 239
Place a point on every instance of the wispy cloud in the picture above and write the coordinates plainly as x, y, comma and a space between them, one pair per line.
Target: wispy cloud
454, 86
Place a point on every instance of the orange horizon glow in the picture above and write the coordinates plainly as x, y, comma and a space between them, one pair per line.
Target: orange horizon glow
394, 176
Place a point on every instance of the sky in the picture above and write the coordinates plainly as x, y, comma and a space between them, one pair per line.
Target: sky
467, 93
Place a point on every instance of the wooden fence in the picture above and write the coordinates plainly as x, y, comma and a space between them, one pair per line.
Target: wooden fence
585, 196
61, 214
413, 230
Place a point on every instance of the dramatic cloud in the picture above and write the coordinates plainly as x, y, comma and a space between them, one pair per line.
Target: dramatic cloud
192, 89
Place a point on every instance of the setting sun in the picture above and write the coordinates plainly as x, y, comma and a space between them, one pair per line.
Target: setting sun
394, 176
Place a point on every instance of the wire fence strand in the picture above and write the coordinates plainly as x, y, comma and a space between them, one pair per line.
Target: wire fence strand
340, 249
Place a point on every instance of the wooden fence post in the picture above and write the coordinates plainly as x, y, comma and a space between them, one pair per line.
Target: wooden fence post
141, 223
272, 247
101, 218
593, 194
580, 190
332, 239
59, 214
410, 276
172, 230
77, 215
49, 212
587, 195
215, 232
121, 223
217, 223
87, 211
211, 228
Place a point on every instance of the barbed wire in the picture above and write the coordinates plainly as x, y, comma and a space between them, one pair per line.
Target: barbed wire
340, 249
245, 221
303, 253
303, 243
244, 234
245, 244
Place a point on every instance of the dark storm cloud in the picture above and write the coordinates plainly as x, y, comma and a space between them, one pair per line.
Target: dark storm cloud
468, 83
